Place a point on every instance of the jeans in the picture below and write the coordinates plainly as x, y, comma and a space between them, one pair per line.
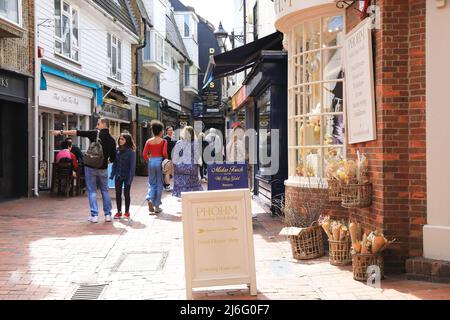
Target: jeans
155, 181
126, 190
97, 178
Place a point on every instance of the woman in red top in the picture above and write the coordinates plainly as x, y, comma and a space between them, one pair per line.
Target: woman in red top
155, 151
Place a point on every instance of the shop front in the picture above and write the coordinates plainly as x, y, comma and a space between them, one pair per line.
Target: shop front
377, 108
266, 84
13, 135
145, 114
65, 103
117, 109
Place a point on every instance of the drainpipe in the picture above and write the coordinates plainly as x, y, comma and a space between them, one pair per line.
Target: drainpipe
37, 69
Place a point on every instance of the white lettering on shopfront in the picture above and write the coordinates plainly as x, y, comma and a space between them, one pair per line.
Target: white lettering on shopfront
65, 99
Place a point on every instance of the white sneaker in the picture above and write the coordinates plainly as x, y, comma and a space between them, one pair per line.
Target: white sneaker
108, 218
158, 210
93, 219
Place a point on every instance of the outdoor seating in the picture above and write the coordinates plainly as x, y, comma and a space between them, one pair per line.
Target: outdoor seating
62, 179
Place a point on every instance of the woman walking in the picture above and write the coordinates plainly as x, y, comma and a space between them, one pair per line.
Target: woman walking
123, 172
155, 151
186, 160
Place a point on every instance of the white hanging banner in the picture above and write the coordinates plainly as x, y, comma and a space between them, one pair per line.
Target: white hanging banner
218, 239
359, 78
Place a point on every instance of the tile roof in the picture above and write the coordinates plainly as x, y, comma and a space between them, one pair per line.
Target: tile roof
119, 10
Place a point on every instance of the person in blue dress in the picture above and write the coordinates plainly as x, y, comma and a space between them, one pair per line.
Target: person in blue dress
186, 160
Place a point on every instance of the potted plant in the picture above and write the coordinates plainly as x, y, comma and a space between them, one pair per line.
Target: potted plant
338, 241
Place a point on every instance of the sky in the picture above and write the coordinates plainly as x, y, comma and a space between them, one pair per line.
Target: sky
214, 11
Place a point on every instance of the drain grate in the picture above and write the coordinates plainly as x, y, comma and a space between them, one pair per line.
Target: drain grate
88, 292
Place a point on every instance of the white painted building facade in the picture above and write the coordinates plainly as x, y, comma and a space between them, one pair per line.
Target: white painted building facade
85, 52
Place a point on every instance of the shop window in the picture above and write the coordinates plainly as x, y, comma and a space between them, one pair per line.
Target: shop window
316, 106
115, 56
11, 10
264, 136
66, 30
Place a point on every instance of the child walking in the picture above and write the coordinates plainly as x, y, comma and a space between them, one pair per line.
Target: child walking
123, 172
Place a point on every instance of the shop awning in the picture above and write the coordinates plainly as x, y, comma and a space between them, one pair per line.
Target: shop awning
241, 58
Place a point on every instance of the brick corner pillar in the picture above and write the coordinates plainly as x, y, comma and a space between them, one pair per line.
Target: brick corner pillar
398, 156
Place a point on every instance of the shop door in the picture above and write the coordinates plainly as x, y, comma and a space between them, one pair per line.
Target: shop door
13, 150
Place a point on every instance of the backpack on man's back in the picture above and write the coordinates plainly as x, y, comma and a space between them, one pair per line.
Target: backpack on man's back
94, 157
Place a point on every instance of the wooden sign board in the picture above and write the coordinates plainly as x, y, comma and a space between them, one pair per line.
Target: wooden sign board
359, 79
218, 239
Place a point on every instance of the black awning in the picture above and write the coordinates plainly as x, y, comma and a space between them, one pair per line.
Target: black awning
241, 58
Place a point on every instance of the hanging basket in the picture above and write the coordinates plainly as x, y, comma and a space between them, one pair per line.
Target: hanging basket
360, 263
339, 253
356, 195
334, 190
308, 244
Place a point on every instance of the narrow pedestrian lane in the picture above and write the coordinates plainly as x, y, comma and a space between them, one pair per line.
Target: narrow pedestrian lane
48, 250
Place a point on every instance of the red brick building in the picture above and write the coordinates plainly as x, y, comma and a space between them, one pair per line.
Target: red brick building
398, 156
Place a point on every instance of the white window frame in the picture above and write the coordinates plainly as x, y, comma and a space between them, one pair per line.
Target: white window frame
295, 119
73, 48
167, 54
20, 16
187, 75
188, 25
159, 49
114, 42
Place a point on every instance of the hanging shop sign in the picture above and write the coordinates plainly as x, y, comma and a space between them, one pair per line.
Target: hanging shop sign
227, 176
115, 112
360, 84
218, 239
197, 109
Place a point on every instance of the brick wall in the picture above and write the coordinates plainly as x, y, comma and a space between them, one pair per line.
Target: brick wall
397, 157
17, 54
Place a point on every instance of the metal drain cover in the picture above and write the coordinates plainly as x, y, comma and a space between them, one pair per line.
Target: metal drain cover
141, 261
88, 292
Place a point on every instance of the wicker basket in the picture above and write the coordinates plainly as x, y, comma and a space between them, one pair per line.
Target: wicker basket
361, 261
339, 254
356, 195
334, 190
308, 244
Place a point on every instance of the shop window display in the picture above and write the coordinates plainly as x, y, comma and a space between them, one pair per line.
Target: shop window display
316, 106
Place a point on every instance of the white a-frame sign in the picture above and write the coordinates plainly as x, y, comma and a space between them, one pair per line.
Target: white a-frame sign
218, 239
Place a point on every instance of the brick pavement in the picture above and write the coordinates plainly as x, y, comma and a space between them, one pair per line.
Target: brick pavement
47, 249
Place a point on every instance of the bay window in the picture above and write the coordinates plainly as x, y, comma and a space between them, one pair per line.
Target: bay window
66, 30
11, 10
114, 46
316, 101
